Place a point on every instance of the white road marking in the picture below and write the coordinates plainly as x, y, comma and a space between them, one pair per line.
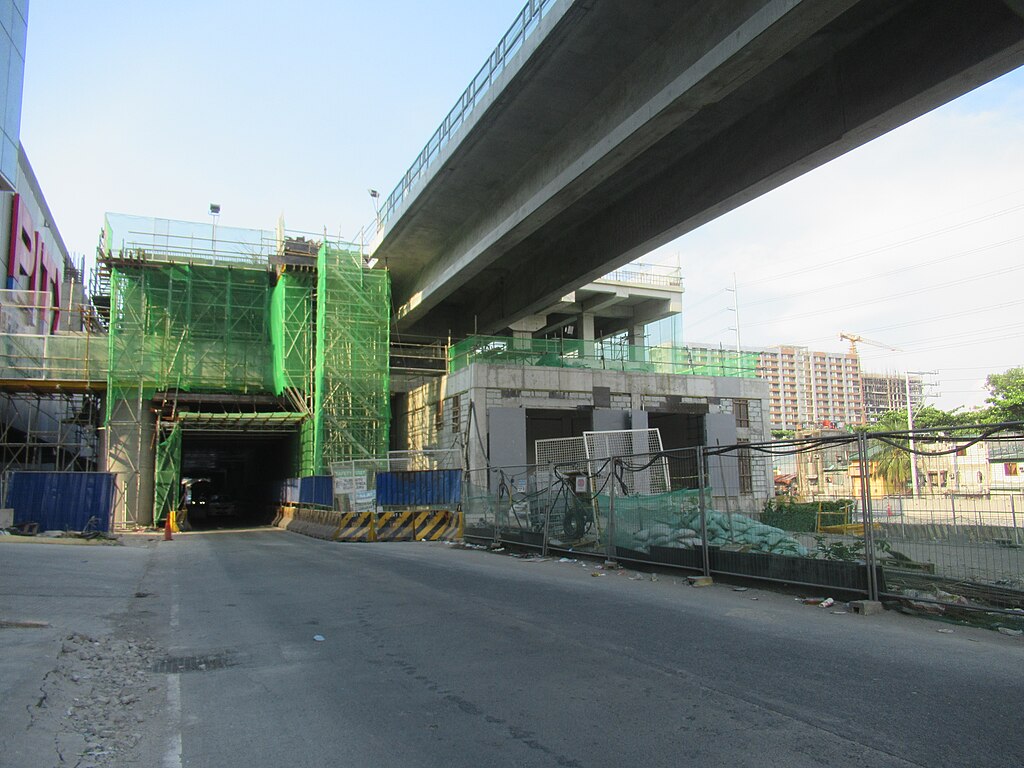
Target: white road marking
172, 758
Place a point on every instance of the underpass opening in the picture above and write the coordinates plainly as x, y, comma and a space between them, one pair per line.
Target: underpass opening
231, 474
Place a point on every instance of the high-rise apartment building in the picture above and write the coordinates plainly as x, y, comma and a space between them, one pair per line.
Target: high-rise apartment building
811, 387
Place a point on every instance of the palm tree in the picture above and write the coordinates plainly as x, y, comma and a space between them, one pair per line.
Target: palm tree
892, 460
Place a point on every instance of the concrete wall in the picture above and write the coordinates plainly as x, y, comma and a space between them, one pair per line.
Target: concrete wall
467, 396
130, 452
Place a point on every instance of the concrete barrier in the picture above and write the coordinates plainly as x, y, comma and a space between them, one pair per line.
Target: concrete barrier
402, 525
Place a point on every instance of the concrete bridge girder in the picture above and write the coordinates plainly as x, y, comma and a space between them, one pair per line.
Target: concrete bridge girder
707, 114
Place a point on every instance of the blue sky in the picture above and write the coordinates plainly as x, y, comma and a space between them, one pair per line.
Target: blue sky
297, 109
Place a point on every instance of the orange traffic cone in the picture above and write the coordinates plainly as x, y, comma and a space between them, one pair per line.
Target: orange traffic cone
167, 529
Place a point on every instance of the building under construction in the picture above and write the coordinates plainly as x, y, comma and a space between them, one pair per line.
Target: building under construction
221, 366
220, 363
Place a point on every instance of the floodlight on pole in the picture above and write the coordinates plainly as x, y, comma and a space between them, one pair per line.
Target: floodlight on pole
375, 197
215, 213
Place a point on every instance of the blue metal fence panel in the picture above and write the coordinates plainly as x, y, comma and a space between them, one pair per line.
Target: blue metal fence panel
289, 491
318, 489
63, 501
434, 488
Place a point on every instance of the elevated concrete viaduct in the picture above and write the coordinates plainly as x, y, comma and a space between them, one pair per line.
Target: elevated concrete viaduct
618, 126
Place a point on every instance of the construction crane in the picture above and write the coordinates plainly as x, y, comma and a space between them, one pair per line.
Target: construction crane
855, 338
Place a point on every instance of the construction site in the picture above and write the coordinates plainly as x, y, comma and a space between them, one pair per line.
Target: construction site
226, 371
238, 377
203, 370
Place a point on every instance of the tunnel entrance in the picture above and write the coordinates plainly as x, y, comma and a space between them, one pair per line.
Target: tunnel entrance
231, 480
229, 468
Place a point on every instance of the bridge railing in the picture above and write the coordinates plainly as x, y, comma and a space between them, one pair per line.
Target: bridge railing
637, 273
525, 23
605, 354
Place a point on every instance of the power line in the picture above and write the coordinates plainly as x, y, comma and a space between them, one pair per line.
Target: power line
928, 320
890, 273
925, 289
883, 248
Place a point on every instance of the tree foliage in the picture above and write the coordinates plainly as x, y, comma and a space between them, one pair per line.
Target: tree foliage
1007, 395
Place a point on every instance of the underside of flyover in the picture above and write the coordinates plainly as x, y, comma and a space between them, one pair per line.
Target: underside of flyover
630, 126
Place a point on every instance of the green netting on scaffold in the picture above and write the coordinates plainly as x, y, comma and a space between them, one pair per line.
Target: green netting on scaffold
168, 475
353, 307
291, 333
193, 328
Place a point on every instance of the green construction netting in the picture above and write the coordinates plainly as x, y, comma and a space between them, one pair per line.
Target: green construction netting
600, 355
309, 463
192, 328
321, 341
670, 520
673, 520
353, 307
291, 332
168, 474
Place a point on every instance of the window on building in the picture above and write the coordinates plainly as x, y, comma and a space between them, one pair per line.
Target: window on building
439, 415
741, 410
745, 469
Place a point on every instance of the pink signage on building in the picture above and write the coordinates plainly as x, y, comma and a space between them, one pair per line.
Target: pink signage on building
30, 265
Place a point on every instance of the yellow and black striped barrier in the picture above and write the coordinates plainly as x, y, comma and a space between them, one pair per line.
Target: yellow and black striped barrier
438, 525
400, 525
396, 526
356, 526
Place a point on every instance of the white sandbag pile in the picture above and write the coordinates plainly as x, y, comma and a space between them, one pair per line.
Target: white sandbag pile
723, 529
662, 535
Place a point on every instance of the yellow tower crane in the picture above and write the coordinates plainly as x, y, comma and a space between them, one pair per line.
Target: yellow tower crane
855, 338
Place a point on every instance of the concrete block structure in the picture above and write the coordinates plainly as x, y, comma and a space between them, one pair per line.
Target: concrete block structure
493, 411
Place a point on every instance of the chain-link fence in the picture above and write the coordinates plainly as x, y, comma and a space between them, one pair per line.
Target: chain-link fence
851, 518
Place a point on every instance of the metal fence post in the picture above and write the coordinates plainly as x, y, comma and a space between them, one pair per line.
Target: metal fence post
702, 507
497, 506
1013, 513
867, 514
610, 553
547, 526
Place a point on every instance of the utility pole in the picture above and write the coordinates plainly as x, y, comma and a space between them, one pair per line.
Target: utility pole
910, 426
736, 309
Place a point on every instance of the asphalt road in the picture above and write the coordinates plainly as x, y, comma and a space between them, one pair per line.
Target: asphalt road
436, 656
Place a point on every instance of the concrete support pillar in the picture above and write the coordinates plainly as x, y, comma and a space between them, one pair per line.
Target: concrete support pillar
130, 455
523, 330
635, 339
586, 334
